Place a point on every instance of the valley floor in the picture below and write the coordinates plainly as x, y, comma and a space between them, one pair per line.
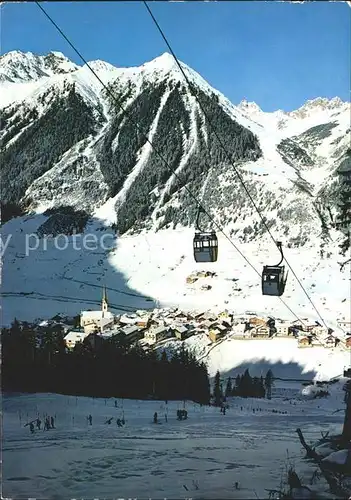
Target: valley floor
149, 270
201, 457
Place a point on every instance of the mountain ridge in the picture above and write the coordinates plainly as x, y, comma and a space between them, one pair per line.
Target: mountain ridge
137, 88
164, 62
67, 148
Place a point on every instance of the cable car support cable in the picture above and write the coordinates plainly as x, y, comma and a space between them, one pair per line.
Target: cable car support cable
226, 152
116, 101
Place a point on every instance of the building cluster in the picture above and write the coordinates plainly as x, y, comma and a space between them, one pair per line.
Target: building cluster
153, 326
192, 278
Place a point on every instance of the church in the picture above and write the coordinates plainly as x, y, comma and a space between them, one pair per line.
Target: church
93, 321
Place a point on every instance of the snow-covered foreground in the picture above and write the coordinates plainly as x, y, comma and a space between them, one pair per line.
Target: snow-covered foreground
199, 458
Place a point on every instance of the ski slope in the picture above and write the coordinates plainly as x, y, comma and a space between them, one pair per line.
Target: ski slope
199, 458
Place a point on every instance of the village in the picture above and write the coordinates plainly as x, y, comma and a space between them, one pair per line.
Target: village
151, 327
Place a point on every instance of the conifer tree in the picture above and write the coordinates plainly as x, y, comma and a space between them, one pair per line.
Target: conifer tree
269, 379
246, 384
262, 388
237, 385
229, 388
217, 391
343, 222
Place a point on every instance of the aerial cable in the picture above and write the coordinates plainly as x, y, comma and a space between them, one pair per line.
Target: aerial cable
107, 288
116, 101
148, 140
138, 127
226, 152
66, 299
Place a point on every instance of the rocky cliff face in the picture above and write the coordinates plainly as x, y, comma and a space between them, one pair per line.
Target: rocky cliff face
67, 143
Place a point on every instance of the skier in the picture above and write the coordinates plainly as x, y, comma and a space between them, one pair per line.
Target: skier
31, 426
119, 423
52, 422
224, 410
38, 423
155, 417
185, 413
90, 419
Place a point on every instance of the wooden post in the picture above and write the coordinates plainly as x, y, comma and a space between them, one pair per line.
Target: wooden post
346, 431
327, 474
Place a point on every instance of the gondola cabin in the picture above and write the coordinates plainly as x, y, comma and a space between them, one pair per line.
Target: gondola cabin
205, 246
273, 280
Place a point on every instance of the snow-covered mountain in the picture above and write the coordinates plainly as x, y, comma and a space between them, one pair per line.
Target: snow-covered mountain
73, 160
18, 67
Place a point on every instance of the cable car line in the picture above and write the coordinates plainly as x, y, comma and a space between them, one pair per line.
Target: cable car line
107, 288
106, 87
226, 152
138, 127
108, 90
67, 299
274, 277
205, 243
148, 140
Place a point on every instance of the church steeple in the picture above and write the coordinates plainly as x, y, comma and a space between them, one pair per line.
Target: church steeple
104, 303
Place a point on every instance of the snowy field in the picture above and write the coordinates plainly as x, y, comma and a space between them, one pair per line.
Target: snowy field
282, 355
199, 458
49, 281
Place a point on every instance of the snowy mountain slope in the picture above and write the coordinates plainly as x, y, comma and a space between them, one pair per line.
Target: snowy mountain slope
17, 66
287, 360
112, 145
67, 143
156, 265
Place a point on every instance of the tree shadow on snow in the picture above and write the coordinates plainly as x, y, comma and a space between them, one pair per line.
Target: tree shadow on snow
46, 275
287, 371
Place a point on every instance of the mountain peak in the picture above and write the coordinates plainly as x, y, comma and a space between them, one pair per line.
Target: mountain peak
163, 63
17, 66
323, 102
59, 55
249, 107
165, 58
99, 65
316, 105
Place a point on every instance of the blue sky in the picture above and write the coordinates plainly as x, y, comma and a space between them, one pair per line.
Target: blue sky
277, 54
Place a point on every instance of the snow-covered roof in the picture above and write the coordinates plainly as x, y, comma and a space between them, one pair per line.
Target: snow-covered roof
95, 315
105, 321
129, 330
160, 329
239, 327
75, 336
129, 318
181, 328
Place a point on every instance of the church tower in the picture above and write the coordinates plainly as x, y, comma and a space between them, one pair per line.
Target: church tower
104, 304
